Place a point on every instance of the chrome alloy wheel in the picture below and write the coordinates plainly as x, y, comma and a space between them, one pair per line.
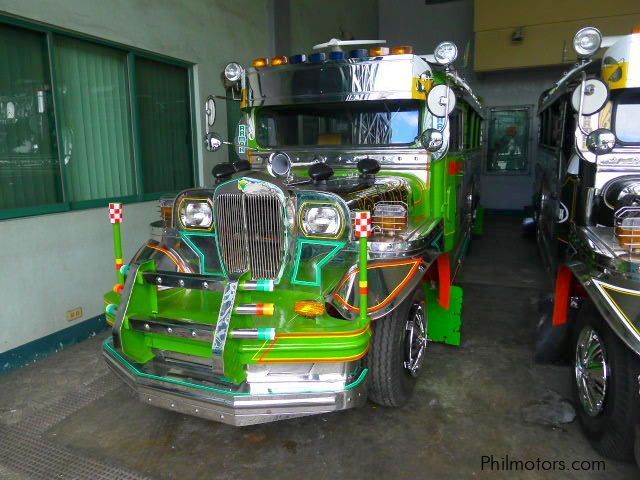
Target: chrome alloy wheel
415, 340
591, 371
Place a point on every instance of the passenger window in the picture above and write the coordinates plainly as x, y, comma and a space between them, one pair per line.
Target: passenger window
455, 131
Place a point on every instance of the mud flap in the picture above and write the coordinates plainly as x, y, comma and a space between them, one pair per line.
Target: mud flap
443, 325
552, 341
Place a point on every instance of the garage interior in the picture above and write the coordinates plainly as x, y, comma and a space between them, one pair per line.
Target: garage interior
64, 414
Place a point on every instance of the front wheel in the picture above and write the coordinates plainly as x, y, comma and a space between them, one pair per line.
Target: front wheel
397, 352
605, 386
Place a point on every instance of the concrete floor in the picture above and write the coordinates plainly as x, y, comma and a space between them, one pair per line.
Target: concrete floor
67, 417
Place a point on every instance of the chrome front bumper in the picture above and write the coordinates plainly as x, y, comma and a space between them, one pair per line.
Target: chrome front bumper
226, 405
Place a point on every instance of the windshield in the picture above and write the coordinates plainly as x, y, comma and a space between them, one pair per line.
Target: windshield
362, 123
627, 124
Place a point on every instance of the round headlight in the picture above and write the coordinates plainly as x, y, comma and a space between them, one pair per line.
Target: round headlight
233, 72
601, 141
196, 214
587, 41
446, 53
321, 221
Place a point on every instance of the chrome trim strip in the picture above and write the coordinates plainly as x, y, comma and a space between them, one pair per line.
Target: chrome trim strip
222, 326
125, 297
189, 281
227, 406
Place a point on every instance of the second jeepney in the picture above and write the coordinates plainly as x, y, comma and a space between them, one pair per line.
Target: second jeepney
587, 212
315, 270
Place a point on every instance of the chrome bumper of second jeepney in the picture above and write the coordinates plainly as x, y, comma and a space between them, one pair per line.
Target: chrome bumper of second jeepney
238, 406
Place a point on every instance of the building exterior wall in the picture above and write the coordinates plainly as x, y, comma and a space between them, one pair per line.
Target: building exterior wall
53, 263
313, 22
424, 26
545, 31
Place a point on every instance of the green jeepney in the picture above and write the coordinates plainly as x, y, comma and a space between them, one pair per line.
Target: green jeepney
312, 274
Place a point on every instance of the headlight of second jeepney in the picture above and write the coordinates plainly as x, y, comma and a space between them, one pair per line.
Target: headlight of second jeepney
321, 220
196, 213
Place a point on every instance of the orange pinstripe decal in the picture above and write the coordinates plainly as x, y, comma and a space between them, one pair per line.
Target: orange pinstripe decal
267, 350
391, 296
168, 254
317, 360
323, 335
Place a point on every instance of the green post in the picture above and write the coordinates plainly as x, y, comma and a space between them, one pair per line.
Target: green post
363, 230
364, 287
115, 217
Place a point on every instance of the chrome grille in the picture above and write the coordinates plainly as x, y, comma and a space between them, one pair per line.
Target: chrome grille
251, 233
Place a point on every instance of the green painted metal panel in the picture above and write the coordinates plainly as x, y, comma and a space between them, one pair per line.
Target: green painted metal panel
444, 325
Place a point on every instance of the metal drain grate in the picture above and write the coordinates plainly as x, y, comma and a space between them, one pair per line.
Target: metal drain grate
23, 448
54, 413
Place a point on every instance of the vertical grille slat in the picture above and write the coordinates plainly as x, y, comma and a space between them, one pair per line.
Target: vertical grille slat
251, 233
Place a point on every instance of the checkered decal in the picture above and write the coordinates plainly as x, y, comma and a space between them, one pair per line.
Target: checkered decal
362, 224
115, 212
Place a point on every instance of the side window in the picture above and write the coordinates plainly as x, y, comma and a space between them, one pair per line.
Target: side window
455, 131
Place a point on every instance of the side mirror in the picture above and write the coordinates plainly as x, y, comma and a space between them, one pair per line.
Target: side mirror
432, 139
441, 100
209, 112
601, 141
590, 96
212, 142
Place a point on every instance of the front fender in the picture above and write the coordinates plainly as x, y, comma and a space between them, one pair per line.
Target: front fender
390, 282
616, 298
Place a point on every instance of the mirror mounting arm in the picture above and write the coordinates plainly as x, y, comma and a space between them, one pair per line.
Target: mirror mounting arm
583, 83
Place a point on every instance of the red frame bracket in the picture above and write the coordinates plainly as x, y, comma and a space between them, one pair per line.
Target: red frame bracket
561, 296
444, 281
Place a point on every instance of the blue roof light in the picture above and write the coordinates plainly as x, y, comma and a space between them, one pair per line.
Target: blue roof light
299, 58
359, 53
317, 57
336, 55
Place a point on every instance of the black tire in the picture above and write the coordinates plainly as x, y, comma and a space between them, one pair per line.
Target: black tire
610, 429
390, 383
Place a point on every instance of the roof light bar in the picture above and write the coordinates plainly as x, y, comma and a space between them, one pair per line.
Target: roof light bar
279, 60
299, 58
378, 51
260, 62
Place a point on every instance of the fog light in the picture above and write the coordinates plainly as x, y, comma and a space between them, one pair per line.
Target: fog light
309, 308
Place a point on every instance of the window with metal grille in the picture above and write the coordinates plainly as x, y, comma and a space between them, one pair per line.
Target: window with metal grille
84, 121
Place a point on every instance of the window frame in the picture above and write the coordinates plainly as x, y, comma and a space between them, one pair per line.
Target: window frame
614, 114
49, 31
528, 141
420, 120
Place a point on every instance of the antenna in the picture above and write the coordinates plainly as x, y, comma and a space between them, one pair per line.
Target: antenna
334, 44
